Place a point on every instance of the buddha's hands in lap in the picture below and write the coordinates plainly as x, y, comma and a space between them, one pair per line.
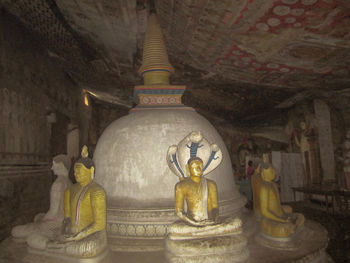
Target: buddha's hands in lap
66, 226
58, 243
205, 222
62, 240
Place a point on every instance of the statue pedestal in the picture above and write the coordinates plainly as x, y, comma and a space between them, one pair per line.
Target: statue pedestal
211, 249
215, 243
47, 256
307, 244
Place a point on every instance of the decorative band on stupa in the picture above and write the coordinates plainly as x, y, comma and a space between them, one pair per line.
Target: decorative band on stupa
157, 93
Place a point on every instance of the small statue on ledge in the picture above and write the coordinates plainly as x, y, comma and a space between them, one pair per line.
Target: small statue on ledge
277, 220
50, 222
84, 227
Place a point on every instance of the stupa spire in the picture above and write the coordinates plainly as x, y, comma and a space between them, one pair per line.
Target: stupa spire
155, 67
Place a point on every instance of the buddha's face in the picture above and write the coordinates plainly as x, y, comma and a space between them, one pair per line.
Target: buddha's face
196, 168
82, 174
303, 125
58, 168
265, 158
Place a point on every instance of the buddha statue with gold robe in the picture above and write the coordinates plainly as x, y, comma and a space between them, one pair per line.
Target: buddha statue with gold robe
201, 235
196, 197
200, 195
277, 220
84, 226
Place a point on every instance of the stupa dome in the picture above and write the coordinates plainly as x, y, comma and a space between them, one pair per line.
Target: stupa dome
130, 158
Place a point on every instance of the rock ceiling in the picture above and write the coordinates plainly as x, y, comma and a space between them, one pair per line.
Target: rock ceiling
238, 58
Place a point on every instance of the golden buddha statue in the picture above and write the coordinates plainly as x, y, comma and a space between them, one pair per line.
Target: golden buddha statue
191, 160
277, 220
200, 235
200, 195
83, 230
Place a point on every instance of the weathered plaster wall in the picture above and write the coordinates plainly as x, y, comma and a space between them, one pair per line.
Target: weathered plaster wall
103, 114
31, 87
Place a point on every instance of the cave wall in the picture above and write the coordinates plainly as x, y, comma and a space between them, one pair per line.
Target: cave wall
37, 99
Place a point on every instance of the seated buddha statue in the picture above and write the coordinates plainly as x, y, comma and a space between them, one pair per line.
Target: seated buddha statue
50, 222
277, 220
201, 235
83, 230
196, 198
200, 195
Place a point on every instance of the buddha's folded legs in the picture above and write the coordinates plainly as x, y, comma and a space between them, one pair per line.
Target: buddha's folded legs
278, 229
87, 247
46, 228
180, 229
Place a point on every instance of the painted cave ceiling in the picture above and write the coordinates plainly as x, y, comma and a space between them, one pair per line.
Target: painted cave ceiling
238, 58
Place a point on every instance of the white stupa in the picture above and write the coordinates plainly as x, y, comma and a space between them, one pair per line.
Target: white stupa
130, 156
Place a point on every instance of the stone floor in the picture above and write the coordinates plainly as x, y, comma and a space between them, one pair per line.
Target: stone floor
337, 225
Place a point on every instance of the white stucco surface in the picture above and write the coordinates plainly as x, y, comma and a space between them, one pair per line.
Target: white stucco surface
130, 157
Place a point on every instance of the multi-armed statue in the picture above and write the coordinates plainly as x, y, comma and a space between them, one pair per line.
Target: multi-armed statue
201, 231
83, 230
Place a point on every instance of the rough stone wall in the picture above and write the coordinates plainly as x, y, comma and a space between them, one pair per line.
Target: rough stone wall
24, 192
32, 87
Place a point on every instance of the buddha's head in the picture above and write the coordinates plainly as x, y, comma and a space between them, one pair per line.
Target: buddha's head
84, 168
265, 158
303, 125
61, 165
195, 166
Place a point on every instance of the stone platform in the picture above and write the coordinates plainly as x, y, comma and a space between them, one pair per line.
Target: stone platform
311, 248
